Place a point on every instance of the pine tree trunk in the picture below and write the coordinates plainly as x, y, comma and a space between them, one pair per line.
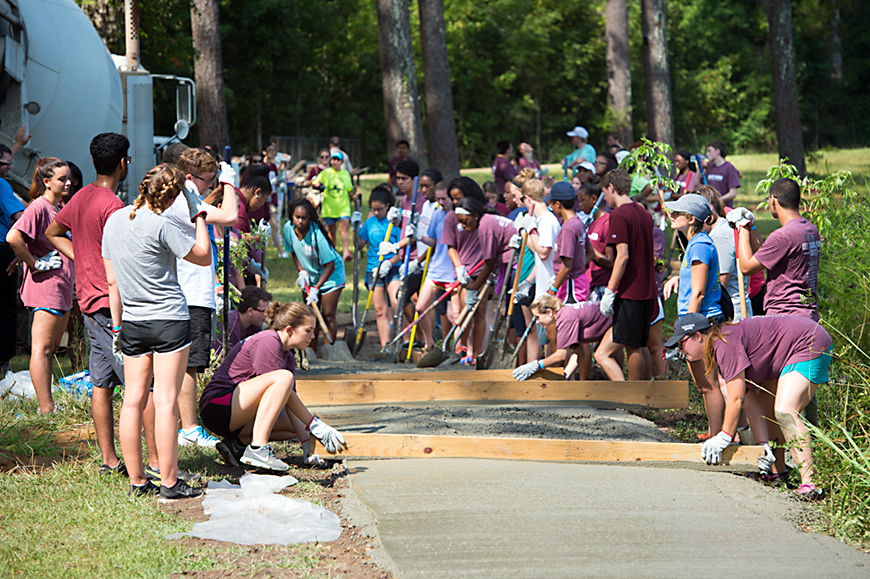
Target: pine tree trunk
619, 68
789, 134
443, 147
211, 110
399, 78
657, 72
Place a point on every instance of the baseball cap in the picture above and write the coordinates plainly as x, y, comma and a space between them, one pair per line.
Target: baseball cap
687, 325
693, 204
561, 191
579, 132
336, 155
588, 166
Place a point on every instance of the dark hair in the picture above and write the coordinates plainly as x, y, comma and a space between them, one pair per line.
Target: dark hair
267, 144
490, 187
107, 151
714, 199
251, 298
403, 142
619, 179
612, 163
433, 174
591, 189
261, 182
472, 205
383, 193
312, 217
4, 150
172, 153
469, 188
502, 147
259, 170
45, 168
76, 180
408, 167
685, 154
787, 193
723, 148
211, 153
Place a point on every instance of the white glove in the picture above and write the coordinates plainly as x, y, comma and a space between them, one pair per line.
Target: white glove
516, 241
766, 460
195, 203
116, 348
311, 459
313, 296
606, 304
411, 230
264, 229
226, 174
740, 217
713, 447
355, 218
385, 268
387, 247
419, 233
526, 222
48, 262
395, 214
302, 279
462, 275
522, 291
526, 371
330, 437
413, 267
471, 298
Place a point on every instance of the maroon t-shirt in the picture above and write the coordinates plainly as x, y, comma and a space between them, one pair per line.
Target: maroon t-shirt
502, 172
632, 224
791, 256
580, 323
571, 243
466, 243
85, 216
244, 222
723, 179
597, 234
764, 345
495, 233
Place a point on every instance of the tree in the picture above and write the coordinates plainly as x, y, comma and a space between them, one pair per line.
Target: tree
208, 70
439, 97
399, 78
789, 135
618, 68
657, 72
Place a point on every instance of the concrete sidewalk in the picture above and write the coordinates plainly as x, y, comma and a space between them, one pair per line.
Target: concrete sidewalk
500, 519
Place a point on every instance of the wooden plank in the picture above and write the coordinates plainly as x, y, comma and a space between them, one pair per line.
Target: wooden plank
424, 446
547, 374
649, 394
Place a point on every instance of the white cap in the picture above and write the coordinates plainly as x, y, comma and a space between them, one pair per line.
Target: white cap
621, 155
579, 132
588, 166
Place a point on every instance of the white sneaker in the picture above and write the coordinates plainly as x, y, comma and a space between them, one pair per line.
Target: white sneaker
263, 457
196, 436
284, 255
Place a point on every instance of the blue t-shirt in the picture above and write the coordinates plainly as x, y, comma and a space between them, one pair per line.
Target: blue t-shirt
374, 232
440, 265
9, 206
700, 248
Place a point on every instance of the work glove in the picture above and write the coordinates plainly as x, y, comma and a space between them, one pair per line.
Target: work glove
516, 241
395, 215
116, 347
526, 371
526, 222
766, 460
419, 233
48, 262
313, 296
606, 304
355, 218
411, 230
713, 447
413, 267
257, 267
302, 279
522, 291
331, 438
385, 268
462, 275
264, 229
387, 248
471, 298
195, 204
226, 174
740, 217
311, 459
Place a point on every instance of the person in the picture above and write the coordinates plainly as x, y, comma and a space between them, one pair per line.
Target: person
245, 320
605, 162
47, 286
382, 271
321, 275
322, 165
698, 287
173, 152
687, 179
570, 327
335, 147
11, 208
721, 174
582, 172
440, 272
790, 254
491, 192
571, 285
582, 149
630, 293
150, 320
403, 150
406, 172
598, 271
337, 193
251, 400
788, 357
526, 159
502, 168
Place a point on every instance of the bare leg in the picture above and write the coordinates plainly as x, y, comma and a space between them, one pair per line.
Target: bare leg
343, 226
104, 423
605, 356
584, 359
328, 307
260, 401
766, 396
427, 324
637, 362
793, 393
187, 399
45, 333
150, 440
331, 229
379, 302
656, 349
137, 380
533, 346
169, 372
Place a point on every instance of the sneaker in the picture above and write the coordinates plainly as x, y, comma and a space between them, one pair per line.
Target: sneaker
179, 490
119, 468
148, 488
468, 361
196, 436
153, 474
284, 255
231, 450
809, 492
263, 457
775, 478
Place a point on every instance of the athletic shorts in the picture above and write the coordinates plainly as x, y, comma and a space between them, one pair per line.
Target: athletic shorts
441, 308
334, 220
216, 416
59, 313
383, 282
815, 370
574, 291
154, 337
658, 311
631, 321
200, 332
414, 282
104, 369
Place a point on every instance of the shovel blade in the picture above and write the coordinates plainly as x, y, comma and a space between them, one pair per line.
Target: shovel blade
432, 358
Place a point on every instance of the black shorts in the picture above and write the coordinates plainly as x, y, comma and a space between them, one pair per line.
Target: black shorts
414, 282
216, 418
200, 331
631, 320
441, 308
154, 337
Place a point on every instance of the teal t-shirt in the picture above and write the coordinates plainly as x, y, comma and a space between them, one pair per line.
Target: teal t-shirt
314, 253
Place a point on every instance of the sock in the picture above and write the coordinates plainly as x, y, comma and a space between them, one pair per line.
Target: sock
255, 447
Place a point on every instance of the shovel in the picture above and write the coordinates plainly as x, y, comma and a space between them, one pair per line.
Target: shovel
454, 357
435, 356
350, 331
496, 349
360, 332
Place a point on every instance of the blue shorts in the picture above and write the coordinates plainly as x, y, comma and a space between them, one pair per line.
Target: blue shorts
333, 220
59, 313
815, 370
382, 282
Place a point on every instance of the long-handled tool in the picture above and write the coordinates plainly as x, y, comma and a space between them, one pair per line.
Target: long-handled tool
228, 157
400, 306
350, 331
454, 357
417, 314
496, 355
485, 358
740, 278
521, 343
435, 356
359, 334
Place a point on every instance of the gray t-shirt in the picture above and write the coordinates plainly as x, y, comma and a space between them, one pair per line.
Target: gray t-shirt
143, 253
723, 239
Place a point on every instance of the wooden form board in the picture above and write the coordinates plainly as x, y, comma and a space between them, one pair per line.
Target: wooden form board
649, 394
436, 375
424, 446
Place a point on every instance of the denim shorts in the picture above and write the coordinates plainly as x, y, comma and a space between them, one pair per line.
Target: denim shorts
383, 282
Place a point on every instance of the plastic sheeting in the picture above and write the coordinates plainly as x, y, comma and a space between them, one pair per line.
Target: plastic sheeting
17, 384
252, 514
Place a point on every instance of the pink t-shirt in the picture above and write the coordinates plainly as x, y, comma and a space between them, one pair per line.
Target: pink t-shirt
597, 234
44, 289
466, 243
764, 345
85, 216
791, 256
571, 243
495, 233
580, 323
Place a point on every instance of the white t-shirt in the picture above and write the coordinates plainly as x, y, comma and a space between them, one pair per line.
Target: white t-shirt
429, 208
197, 281
548, 229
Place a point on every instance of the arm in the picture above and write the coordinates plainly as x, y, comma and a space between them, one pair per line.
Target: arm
454, 256
56, 234
723, 278
228, 212
736, 389
567, 264
619, 265
201, 252
699, 285
732, 193
534, 242
16, 241
482, 275
21, 139
750, 241
114, 294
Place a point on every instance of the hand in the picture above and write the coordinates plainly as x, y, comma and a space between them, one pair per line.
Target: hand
226, 174
331, 438
387, 248
256, 267
522, 291
384, 268
606, 305
411, 230
516, 241
264, 274
302, 279
740, 217
526, 222
462, 275
116, 347
419, 233
766, 460
21, 137
471, 298
313, 296
264, 229
526, 371
395, 215
311, 459
355, 218
671, 286
195, 204
48, 262
413, 267
713, 447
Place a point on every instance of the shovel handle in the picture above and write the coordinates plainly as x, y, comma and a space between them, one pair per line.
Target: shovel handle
510, 311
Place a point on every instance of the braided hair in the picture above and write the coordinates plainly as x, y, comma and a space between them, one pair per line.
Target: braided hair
312, 217
159, 188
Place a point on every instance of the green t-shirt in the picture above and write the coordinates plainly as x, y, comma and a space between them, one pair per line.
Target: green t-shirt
638, 184
337, 186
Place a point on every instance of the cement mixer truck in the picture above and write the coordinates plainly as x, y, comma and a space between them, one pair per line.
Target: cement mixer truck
59, 80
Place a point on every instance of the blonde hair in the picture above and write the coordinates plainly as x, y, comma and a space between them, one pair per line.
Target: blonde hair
293, 314
534, 188
45, 168
524, 175
159, 188
196, 160
546, 303
713, 334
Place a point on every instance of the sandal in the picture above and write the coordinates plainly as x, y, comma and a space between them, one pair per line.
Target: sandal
775, 478
809, 492
468, 360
